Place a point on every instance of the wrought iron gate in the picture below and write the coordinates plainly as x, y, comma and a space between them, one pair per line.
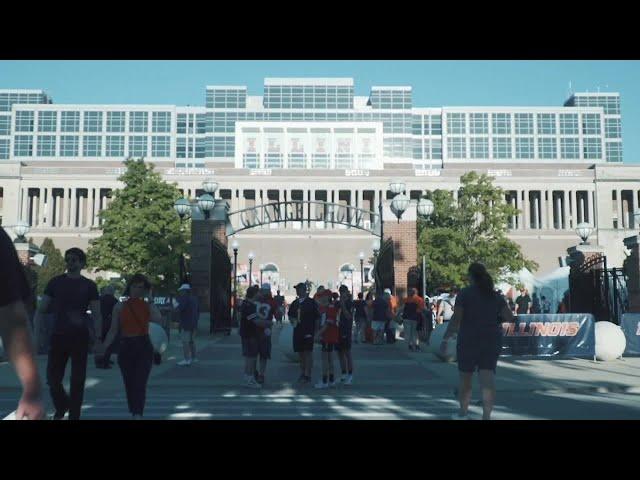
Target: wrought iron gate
220, 288
383, 271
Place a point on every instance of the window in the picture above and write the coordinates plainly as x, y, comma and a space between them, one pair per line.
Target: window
161, 122
223, 147
456, 123
592, 148
5, 124
590, 124
478, 124
23, 146
138, 146
47, 121
524, 148
160, 146
92, 146
115, 146
569, 148
181, 147
479, 148
182, 123
501, 123
92, 121
569, 124
612, 128
138, 121
547, 148
24, 121
436, 125
297, 160
524, 123
4, 149
436, 149
614, 151
70, 122
47, 146
456, 148
502, 147
69, 145
546, 123
115, 122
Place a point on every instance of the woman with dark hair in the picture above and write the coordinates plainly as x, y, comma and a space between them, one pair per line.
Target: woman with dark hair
131, 318
478, 314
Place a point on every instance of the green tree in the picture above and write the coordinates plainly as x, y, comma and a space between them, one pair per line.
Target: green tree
474, 230
141, 231
55, 264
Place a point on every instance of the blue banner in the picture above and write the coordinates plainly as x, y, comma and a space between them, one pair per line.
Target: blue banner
631, 327
550, 335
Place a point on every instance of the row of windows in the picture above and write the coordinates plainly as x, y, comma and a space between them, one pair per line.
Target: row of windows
478, 148
9, 99
231, 98
390, 99
92, 146
93, 121
522, 124
5, 124
611, 104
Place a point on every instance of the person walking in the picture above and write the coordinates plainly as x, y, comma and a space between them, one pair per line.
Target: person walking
328, 335
130, 321
15, 331
304, 315
446, 306
280, 304
360, 319
107, 302
523, 302
478, 314
69, 296
187, 306
412, 311
345, 330
266, 308
249, 336
381, 314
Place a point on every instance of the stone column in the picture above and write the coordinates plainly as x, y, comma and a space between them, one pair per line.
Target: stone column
50, 200
625, 211
632, 267
589, 210
74, 208
565, 219
96, 206
41, 208
536, 212
59, 210
24, 212
526, 211
65, 207
619, 207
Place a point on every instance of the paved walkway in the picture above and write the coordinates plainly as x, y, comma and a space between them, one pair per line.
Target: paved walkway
389, 383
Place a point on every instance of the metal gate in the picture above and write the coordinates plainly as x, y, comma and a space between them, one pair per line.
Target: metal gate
383, 271
599, 290
220, 288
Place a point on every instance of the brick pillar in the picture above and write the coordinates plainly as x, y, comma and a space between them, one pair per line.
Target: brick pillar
202, 231
632, 267
405, 248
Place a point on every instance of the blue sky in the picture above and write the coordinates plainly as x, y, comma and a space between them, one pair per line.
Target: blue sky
435, 83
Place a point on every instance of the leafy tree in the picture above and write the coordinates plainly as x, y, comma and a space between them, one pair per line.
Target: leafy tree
55, 264
141, 231
474, 230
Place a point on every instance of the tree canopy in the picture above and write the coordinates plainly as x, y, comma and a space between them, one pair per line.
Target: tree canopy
55, 264
473, 230
141, 233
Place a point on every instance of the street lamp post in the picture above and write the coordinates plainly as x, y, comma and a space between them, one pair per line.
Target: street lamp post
584, 230
234, 245
251, 257
182, 206
351, 270
361, 271
261, 270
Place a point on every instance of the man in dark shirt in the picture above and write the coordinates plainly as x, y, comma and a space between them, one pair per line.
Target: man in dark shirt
280, 307
523, 302
249, 336
68, 297
14, 329
107, 302
381, 308
304, 314
345, 328
360, 315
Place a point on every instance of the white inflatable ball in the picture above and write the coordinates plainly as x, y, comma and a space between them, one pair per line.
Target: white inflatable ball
158, 338
285, 342
610, 341
436, 340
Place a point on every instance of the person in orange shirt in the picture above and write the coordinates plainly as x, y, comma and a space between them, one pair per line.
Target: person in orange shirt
328, 335
412, 310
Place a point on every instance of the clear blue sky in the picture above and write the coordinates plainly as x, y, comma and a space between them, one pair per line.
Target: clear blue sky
435, 83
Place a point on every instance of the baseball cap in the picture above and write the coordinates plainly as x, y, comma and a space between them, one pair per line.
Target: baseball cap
387, 291
185, 286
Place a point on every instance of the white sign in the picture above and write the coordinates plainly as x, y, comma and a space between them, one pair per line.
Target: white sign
260, 171
356, 173
568, 173
499, 173
427, 173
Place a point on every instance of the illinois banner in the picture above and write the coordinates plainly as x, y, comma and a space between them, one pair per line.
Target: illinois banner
570, 335
631, 327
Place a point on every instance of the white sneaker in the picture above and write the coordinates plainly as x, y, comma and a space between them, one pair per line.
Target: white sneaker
457, 416
251, 383
349, 380
184, 363
321, 385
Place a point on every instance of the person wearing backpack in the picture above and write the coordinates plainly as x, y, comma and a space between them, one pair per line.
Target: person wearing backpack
131, 319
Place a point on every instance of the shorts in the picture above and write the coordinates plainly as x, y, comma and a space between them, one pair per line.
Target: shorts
250, 347
187, 335
302, 342
472, 358
329, 347
264, 346
377, 326
345, 343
